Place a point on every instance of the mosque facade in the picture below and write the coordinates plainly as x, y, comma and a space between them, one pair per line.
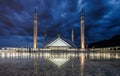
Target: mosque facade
59, 43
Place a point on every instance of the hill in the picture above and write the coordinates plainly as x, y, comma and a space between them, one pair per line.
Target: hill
114, 41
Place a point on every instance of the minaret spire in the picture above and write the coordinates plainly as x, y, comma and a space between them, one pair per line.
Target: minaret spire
35, 29
45, 33
35, 10
82, 11
72, 35
82, 31
59, 36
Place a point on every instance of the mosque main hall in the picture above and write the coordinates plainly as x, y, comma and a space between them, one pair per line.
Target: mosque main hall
59, 43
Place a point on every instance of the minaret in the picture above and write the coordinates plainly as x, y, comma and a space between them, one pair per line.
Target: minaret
72, 35
82, 31
35, 30
45, 33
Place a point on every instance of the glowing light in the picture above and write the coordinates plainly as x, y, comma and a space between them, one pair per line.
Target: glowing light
82, 64
59, 61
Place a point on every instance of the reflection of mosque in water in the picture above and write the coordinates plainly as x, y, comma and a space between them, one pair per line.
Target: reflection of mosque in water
58, 64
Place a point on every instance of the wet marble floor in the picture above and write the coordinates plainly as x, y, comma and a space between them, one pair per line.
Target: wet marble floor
62, 64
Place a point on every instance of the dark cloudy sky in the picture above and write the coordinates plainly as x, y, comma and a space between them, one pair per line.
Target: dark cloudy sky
102, 20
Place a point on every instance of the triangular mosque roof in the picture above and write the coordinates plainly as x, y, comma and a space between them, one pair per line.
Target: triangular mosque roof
59, 42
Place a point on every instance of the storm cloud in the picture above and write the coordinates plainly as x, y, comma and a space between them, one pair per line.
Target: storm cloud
57, 17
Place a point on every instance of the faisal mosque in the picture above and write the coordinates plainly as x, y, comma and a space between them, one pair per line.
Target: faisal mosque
59, 43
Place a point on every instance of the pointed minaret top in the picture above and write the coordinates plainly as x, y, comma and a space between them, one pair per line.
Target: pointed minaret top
59, 35
82, 11
45, 34
35, 10
82, 14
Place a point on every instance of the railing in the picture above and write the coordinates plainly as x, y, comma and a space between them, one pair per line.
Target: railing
70, 49
107, 48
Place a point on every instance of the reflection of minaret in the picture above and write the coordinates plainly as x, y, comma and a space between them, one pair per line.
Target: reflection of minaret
82, 31
35, 29
35, 63
82, 64
72, 35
